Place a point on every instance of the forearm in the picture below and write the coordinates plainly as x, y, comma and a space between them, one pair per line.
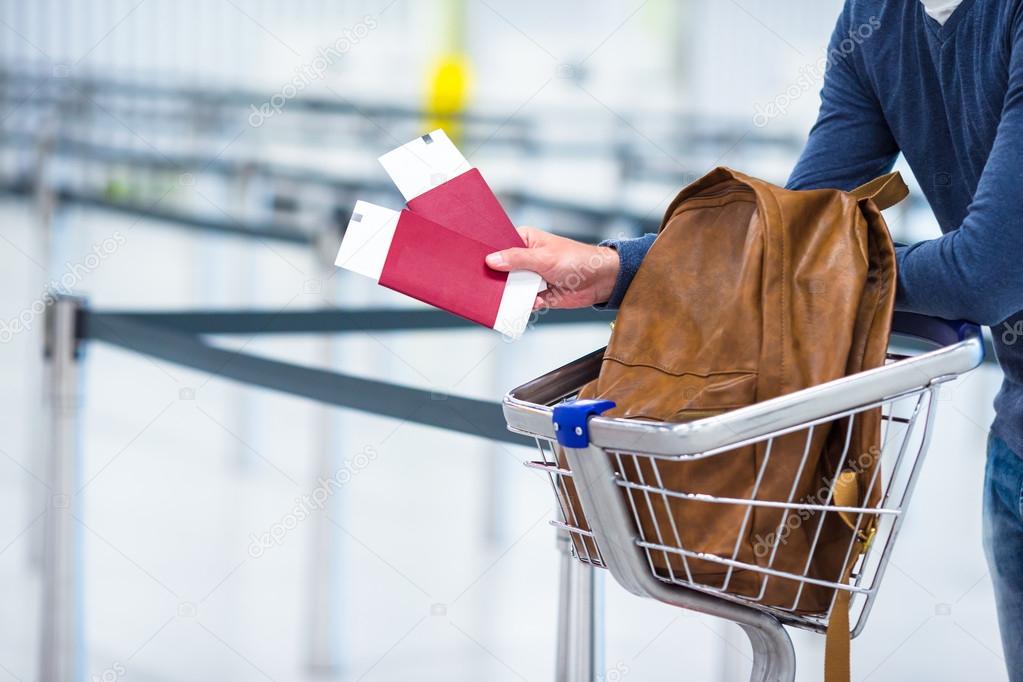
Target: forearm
972, 273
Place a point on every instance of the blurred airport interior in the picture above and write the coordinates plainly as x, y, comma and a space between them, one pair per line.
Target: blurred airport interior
159, 156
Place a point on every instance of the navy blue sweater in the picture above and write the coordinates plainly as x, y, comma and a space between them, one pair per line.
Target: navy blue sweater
950, 99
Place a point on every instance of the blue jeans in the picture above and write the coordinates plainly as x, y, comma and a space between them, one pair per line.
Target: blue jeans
1003, 544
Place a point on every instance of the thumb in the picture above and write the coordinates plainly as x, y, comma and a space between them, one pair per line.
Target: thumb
514, 259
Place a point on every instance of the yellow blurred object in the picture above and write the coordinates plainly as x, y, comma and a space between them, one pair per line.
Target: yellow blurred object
447, 94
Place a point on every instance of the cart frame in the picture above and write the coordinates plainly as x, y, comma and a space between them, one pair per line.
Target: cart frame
539, 409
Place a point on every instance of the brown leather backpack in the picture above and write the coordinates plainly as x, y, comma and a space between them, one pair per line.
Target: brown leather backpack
749, 292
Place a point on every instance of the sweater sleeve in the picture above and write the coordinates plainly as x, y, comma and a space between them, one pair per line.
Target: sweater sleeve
851, 142
975, 272
630, 255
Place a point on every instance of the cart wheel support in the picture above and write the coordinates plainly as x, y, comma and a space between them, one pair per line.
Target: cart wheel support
774, 659
580, 647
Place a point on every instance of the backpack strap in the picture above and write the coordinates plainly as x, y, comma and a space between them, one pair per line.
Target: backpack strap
886, 190
846, 493
837, 667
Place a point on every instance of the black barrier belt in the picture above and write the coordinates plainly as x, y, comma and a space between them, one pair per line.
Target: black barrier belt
180, 162
444, 411
283, 232
322, 320
266, 230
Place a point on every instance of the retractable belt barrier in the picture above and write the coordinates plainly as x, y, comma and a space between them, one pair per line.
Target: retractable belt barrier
175, 337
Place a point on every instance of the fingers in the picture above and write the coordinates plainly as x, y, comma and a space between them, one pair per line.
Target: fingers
530, 235
548, 299
514, 259
521, 258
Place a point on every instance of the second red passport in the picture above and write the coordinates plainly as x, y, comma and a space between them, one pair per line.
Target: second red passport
467, 205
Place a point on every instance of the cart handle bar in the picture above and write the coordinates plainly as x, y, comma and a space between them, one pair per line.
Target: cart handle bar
527, 408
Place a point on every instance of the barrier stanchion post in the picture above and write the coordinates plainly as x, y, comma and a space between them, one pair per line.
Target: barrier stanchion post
324, 591
45, 204
61, 646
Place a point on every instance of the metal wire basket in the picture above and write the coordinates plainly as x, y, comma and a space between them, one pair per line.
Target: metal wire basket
608, 476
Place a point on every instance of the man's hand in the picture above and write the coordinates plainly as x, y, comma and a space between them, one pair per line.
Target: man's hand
577, 274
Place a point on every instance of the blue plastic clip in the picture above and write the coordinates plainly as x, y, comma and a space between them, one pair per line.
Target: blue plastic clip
570, 421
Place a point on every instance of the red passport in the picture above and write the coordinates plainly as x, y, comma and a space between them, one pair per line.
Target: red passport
467, 205
433, 263
438, 183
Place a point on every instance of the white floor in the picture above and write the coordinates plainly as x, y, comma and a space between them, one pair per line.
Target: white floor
442, 565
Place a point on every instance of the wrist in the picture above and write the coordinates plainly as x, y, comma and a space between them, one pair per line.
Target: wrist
609, 263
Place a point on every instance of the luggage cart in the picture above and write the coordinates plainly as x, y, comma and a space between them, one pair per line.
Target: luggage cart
613, 468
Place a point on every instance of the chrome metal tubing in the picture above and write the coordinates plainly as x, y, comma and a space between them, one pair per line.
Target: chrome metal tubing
566, 620
526, 410
580, 646
605, 509
610, 488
